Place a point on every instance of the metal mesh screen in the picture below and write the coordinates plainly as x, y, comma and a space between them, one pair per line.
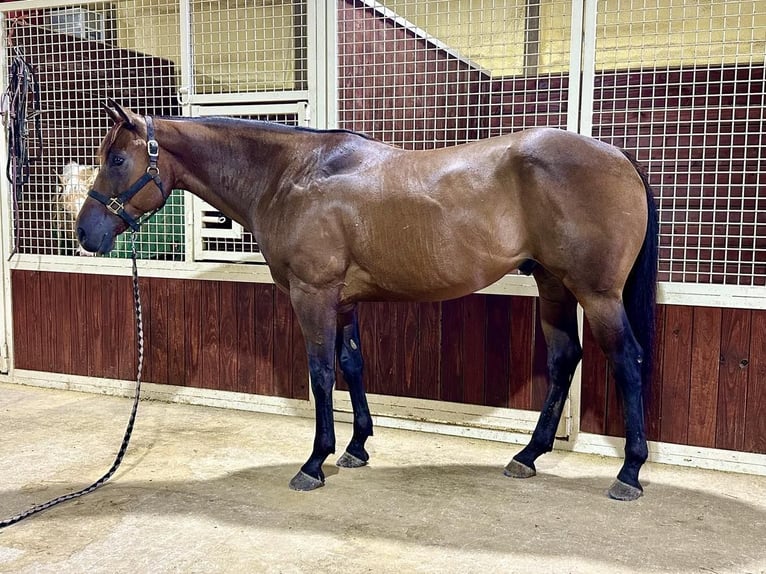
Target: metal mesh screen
82, 54
682, 85
242, 47
424, 74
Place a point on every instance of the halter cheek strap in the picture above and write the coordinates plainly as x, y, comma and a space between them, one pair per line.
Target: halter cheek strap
117, 203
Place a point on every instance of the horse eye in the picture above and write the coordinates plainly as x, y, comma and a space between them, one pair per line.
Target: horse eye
117, 160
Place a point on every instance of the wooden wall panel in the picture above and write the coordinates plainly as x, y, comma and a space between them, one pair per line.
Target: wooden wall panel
176, 325
483, 349
229, 312
192, 296
735, 356
676, 374
263, 298
498, 350
704, 375
522, 345
708, 386
755, 417
428, 357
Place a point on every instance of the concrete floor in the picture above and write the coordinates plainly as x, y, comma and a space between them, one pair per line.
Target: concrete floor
205, 490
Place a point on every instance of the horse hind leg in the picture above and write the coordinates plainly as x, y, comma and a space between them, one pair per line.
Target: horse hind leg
558, 314
349, 354
611, 329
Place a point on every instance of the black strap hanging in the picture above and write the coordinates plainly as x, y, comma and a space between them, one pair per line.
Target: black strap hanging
21, 107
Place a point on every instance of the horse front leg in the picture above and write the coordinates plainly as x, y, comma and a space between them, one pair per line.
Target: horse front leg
316, 311
349, 352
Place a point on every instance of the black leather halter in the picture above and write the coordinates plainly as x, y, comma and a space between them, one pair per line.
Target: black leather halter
117, 204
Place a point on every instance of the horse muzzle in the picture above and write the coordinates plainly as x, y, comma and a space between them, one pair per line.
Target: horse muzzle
96, 231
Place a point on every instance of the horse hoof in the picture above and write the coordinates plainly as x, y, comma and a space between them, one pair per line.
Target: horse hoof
622, 491
348, 460
516, 469
303, 482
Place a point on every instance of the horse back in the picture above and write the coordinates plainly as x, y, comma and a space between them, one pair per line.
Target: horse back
437, 224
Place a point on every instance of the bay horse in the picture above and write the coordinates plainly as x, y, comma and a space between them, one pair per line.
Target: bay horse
342, 218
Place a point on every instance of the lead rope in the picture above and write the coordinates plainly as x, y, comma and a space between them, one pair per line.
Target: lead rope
126, 438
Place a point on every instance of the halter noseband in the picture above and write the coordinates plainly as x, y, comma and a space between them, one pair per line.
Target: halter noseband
117, 204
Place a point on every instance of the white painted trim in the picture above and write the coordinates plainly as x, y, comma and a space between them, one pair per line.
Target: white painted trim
166, 393
703, 295
675, 454
444, 413
454, 419
250, 97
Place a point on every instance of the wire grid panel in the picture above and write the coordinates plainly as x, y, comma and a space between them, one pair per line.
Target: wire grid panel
81, 55
242, 47
421, 74
216, 237
681, 84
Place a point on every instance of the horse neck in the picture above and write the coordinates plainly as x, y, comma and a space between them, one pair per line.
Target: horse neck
230, 167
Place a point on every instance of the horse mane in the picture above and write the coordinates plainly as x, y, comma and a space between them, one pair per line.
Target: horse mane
266, 125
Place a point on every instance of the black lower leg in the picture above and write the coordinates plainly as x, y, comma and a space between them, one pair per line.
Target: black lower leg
628, 376
563, 358
352, 366
558, 315
322, 381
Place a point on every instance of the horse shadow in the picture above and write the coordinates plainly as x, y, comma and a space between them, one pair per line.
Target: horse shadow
459, 506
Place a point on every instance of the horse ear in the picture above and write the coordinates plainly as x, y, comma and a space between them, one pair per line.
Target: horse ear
118, 113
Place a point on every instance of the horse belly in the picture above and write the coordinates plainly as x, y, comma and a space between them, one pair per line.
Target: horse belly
428, 261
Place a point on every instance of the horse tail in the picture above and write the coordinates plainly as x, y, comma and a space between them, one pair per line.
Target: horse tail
640, 292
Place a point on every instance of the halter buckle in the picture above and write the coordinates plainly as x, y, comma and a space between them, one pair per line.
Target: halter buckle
153, 148
115, 206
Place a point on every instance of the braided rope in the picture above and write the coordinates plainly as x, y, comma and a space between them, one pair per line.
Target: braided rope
128, 431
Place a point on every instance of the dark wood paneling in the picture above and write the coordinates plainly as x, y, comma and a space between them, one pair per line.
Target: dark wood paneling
452, 351
705, 360
732, 390
264, 375
428, 345
176, 318
594, 385
211, 335
498, 351
474, 350
24, 346
755, 418
522, 343
708, 389
676, 374
283, 345
246, 322
192, 293
158, 294
228, 316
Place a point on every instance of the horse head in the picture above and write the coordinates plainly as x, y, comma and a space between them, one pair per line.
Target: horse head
128, 188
